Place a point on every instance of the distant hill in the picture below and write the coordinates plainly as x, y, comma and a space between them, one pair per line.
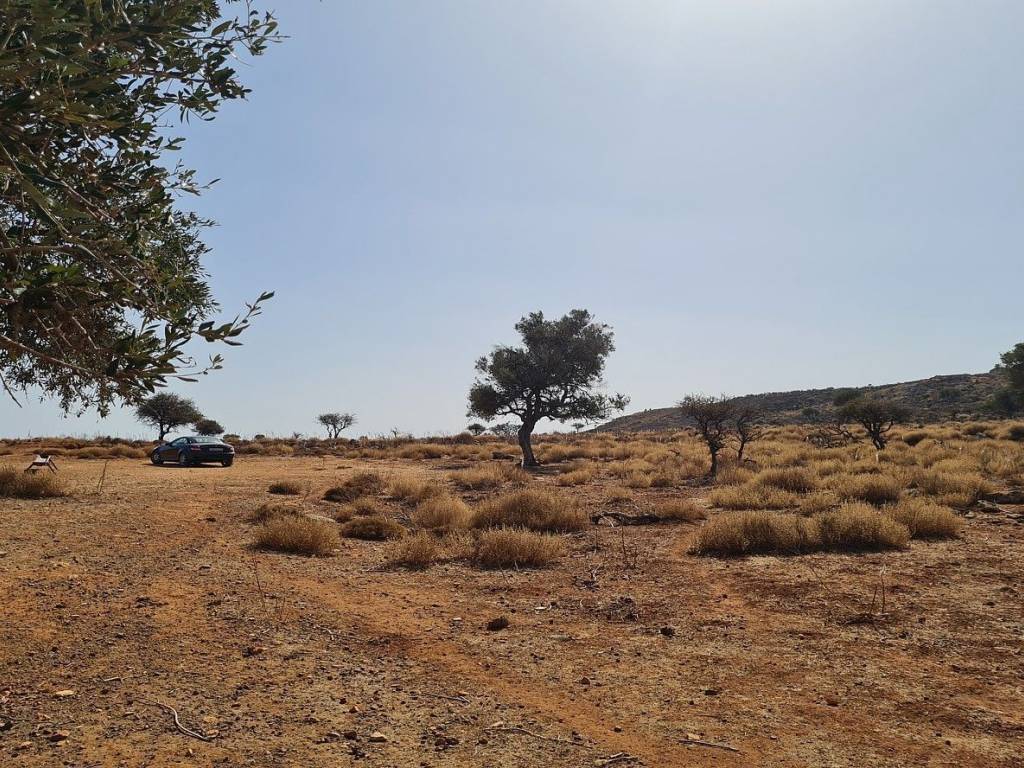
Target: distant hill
936, 399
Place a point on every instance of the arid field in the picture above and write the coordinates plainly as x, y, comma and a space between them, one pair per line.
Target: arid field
812, 607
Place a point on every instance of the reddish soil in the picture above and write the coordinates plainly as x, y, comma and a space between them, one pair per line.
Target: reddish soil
147, 591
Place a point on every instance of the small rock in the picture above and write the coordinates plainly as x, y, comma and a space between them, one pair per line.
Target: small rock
63, 694
832, 701
497, 624
377, 738
668, 631
253, 650
584, 681
711, 691
350, 735
58, 736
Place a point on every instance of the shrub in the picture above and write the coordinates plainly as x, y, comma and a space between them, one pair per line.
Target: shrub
856, 527
285, 488
533, 509
926, 520
361, 507
413, 490
514, 548
954, 489
756, 532
265, 512
913, 438
442, 513
1015, 433
576, 477
16, 484
416, 552
733, 474
679, 510
874, 489
360, 484
618, 495
752, 495
792, 479
298, 535
372, 529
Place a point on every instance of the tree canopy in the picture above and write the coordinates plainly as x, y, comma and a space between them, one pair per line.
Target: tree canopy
167, 411
877, 417
208, 427
555, 374
336, 423
102, 284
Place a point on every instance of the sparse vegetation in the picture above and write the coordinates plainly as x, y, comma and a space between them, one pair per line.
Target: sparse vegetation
285, 488
415, 552
265, 512
925, 519
532, 509
298, 535
442, 512
516, 548
16, 484
372, 529
360, 484
679, 510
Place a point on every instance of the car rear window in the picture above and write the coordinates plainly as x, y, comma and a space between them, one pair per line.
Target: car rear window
206, 440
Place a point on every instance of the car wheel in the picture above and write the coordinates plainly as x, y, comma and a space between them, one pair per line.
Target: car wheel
155, 458
183, 459
227, 462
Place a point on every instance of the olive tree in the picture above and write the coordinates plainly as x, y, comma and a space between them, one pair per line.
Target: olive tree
877, 417
336, 423
713, 417
167, 411
102, 284
555, 374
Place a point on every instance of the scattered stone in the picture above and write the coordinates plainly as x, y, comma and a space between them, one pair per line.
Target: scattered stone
584, 681
711, 691
59, 736
832, 701
668, 631
254, 650
63, 694
377, 738
497, 624
350, 735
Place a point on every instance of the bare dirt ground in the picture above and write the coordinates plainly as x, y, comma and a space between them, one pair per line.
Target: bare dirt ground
146, 594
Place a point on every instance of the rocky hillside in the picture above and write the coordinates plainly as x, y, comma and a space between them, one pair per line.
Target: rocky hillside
936, 399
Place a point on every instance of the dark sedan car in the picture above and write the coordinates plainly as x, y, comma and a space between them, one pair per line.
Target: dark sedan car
189, 451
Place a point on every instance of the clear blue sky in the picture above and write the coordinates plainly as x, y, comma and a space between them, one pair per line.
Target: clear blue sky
756, 196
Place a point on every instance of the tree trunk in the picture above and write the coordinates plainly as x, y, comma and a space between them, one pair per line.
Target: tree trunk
529, 460
714, 464
739, 453
163, 432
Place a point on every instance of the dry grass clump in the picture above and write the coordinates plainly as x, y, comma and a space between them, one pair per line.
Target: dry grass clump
576, 477
16, 484
479, 478
266, 512
364, 506
873, 488
817, 502
298, 535
756, 532
913, 438
637, 479
372, 529
442, 513
423, 451
752, 495
857, 527
925, 519
618, 495
534, 509
360, 484
733, 474
952, 489
679, 510
515, 548
792, 479
413, 490
285, 488
415, 552
1014, 432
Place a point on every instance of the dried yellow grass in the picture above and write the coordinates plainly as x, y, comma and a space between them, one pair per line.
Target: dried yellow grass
535, 509
416, 552
442, 513
515, 548
298, 535
925, 519
372, 529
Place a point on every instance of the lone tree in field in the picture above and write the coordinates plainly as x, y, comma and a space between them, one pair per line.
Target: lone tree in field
167, 411
713, 417
877, 417
553, 375
747, 428
101, 278
1009, 400
208, 427
336, 423
476, 429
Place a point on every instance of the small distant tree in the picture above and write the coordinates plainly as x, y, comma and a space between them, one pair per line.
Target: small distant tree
712, 416
877, 417
208, 427
747, 427
579, 426
336, 423
476, 429
504, 429
844, 396
1013, 367
1005, 403
167, 411
553, 375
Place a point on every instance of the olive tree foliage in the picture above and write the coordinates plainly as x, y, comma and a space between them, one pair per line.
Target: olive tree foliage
555, 374
336, 423
167, 411
101, 278
208, 427
877, 417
